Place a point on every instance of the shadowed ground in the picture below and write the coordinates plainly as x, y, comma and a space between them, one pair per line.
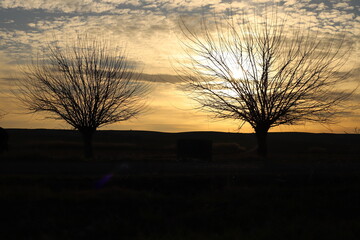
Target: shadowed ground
311, 191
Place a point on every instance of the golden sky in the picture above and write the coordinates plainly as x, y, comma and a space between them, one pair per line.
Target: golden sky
150, 32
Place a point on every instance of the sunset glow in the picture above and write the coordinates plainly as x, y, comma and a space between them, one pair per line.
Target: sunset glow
150, 32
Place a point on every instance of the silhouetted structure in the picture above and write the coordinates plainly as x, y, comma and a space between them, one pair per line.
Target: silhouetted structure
89, 84
4, 137
194, 149
263, 73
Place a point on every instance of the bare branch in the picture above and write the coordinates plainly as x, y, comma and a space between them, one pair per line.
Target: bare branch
260, 72
87, 84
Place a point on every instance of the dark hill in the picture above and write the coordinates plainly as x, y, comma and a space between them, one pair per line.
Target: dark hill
145, 145
149, 145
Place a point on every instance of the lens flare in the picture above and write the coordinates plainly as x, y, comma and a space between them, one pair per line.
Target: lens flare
104, 180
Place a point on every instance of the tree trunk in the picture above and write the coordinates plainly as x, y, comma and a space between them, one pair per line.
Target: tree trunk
261, 135
87, 135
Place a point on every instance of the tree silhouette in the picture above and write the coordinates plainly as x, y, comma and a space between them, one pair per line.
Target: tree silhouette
87, 84
259, 71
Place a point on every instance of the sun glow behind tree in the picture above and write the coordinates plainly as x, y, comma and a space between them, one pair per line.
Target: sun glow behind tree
263, 72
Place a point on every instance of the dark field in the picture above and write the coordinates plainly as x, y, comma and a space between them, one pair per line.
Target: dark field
136, 189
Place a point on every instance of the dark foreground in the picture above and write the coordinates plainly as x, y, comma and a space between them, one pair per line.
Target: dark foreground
261, 205
307, 195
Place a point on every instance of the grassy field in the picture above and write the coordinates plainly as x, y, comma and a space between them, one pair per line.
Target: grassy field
135, 188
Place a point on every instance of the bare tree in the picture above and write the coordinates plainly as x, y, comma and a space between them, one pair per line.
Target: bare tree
260, 72
86, 84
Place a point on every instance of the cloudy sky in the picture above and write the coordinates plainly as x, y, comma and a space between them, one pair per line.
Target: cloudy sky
149, 30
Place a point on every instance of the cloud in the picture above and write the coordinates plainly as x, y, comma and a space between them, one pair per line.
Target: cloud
83, 6
65, 6
147, 36
160, 78
343, 5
